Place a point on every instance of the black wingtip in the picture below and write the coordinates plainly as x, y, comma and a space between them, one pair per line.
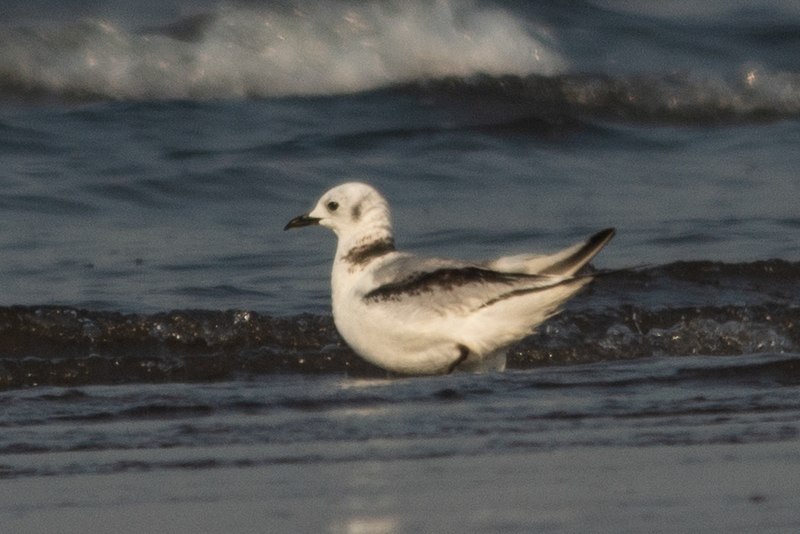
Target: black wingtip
603, 235
589, 250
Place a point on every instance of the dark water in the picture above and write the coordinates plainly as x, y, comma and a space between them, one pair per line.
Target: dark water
682, 309
151, 156
310, 419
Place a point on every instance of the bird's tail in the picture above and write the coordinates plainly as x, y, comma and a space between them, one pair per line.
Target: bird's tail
565, 262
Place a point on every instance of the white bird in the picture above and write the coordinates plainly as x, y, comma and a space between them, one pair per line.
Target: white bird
415, 315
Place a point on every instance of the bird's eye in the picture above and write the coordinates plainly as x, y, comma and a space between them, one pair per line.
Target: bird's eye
332, 205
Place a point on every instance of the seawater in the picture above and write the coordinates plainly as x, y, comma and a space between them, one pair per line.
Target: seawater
154, 316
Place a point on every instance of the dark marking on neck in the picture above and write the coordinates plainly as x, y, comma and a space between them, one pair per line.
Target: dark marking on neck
363, 254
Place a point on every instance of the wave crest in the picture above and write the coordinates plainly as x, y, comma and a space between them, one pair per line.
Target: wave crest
66, 346
234, 52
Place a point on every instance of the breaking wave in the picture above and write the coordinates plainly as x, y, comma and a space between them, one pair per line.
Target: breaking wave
752, 94
438, 48
234, 52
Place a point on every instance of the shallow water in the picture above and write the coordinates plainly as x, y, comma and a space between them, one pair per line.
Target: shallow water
694, 441
321, 419
155, 319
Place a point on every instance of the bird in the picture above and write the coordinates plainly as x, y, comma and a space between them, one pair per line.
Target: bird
414, 315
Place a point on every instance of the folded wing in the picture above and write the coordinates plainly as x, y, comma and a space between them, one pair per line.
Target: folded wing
563, 263
449, 287
459, 290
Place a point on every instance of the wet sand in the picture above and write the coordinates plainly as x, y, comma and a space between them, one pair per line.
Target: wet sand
723, 488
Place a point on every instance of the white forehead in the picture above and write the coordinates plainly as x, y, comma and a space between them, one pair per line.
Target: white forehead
351, 192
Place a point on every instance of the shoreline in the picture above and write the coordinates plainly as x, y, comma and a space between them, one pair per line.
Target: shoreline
729, 487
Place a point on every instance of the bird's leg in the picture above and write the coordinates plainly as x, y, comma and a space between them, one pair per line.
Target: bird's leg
463, 352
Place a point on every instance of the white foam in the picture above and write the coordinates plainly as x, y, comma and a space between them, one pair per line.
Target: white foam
329, 48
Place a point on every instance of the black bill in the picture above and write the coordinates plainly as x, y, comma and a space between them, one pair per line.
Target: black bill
300, 221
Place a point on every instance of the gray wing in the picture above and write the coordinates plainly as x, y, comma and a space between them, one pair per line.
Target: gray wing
444, 286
